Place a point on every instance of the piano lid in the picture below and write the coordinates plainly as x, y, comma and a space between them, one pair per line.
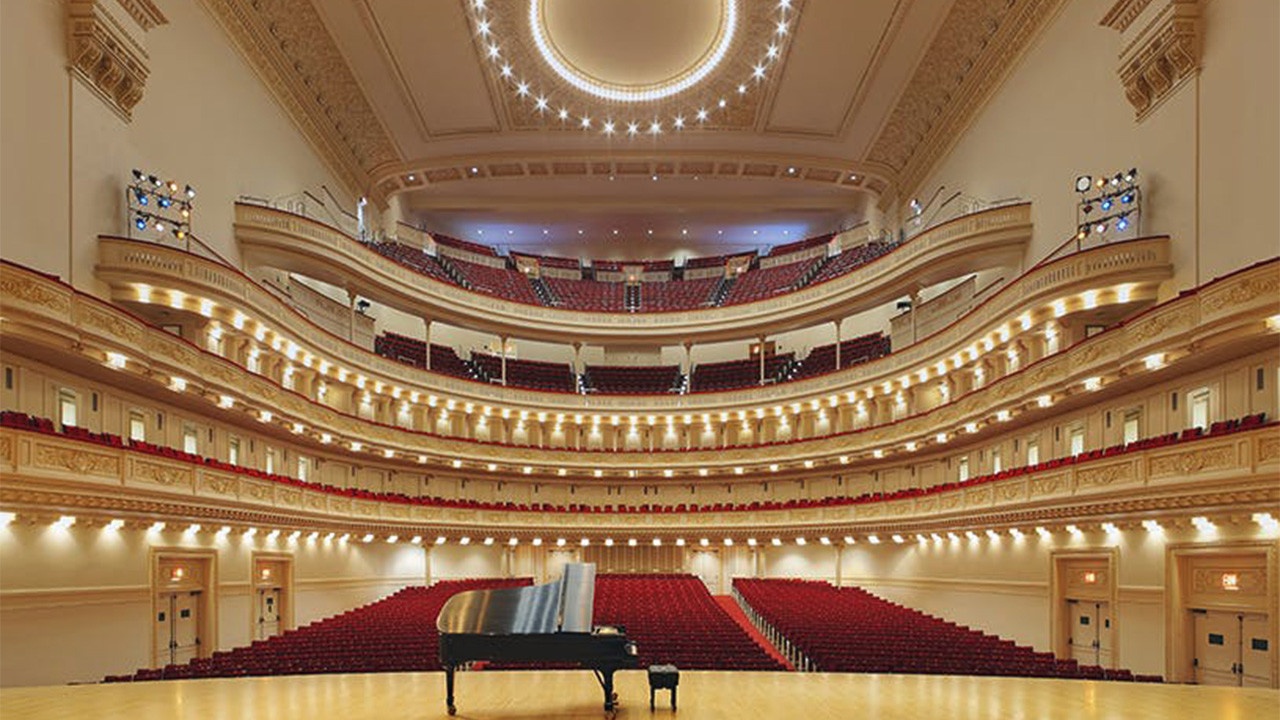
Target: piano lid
563, 605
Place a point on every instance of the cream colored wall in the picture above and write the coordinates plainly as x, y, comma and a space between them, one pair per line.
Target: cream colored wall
1002, 587
75, 603
1207, 156
204, 119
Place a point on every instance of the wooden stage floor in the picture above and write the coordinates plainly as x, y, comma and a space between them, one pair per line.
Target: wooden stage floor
523, 695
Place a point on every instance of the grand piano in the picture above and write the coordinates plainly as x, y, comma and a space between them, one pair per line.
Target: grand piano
542, 623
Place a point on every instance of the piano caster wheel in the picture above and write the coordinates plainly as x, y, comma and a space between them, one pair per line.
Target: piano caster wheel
453, 710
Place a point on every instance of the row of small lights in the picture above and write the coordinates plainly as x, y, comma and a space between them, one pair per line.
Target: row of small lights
1202, 524
610, 127
294, 352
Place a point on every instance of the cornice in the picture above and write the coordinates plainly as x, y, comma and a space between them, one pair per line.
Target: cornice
144, 12
978, 44
822, 170
1160, 48
1123, 13
287, 43
1232, 473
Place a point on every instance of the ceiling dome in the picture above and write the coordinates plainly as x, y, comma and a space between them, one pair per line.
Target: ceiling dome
630, 51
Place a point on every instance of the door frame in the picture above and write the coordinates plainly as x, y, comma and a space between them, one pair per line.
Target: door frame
286, 589
1187, 589
203, 579
1066, 582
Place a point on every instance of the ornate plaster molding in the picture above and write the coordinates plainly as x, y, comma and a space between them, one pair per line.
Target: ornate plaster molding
741, 110
133, 488
287, 42
977, 45
105, 55
1160, 48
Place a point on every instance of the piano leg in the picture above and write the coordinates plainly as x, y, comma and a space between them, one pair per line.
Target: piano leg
606, 683
448, 684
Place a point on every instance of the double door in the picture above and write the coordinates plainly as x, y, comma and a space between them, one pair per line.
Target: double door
1091, 632
267, 611
1232, 648
177, 627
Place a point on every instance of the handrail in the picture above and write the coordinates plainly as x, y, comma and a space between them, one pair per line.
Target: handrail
996, 237
1133, 261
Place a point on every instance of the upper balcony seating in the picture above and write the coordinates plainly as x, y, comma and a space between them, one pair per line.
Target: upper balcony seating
470, 247
394, 634
850, 630
603, 296
532, 374
736, 374
504, 282
405, 349
412, 351
632, 380
763, 283
588, 295
413, 258
678, 294
851, 259
822, 359
22, 421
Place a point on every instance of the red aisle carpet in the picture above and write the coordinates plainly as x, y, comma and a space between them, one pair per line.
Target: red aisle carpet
730, 606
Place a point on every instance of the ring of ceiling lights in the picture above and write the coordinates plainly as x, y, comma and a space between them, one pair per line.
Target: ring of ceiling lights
633, 93
646, 120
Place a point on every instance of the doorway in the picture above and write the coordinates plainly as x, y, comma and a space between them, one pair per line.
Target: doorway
271, 607
183, 605
1084, 595
177, 629
1090, 637
1231, 648
1221, 609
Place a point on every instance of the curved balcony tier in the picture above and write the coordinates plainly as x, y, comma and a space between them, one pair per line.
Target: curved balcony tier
51, 474
47, 319
992, 238
1137, 265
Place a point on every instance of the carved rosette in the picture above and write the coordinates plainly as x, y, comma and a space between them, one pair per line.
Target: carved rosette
103, 53
1161, 48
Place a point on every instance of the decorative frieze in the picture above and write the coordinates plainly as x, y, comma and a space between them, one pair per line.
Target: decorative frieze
1160, 48
104, 48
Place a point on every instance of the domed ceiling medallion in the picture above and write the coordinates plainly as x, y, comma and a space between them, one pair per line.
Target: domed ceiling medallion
629, 69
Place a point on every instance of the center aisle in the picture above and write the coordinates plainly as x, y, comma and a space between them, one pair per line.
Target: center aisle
731, 607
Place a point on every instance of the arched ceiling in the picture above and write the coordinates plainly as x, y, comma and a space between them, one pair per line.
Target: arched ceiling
462, 117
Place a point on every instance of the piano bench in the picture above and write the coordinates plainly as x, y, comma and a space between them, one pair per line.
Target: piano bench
663, 677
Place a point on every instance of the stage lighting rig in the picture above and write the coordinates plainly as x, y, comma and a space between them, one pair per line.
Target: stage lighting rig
1111, 202
158, 207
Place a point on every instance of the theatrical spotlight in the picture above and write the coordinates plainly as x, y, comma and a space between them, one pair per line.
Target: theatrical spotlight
160, 205
1096, 207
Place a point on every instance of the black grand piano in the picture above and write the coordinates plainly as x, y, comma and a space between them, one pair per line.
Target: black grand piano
542, 623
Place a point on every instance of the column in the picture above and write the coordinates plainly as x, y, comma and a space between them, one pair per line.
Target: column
915, 309
502, 340
351, 315
837, 324
426, 336
761, 339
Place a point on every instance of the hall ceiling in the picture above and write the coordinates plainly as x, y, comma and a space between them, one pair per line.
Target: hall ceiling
449, 105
